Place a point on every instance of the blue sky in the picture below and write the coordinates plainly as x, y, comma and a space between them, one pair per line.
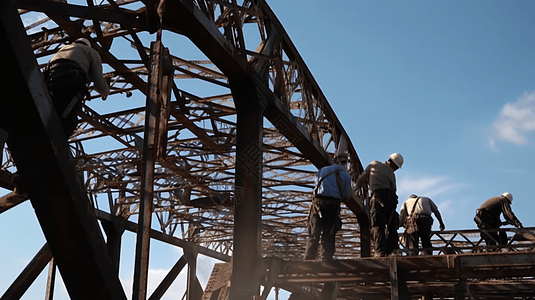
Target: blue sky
448, 84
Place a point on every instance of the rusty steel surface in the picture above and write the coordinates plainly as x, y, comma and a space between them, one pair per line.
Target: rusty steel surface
194, 179
489, 275
211, 43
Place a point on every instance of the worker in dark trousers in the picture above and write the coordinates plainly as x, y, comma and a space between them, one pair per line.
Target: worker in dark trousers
381, 181
488, 217
333, 185
415, 216
68, 74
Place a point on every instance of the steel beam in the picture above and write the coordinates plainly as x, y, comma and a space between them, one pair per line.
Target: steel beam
183, 17
169, 279
150, 148
133, 227
51, 280
247, 250
54, 7
114, 232
41, 154
194, 289
28, 275
11, 200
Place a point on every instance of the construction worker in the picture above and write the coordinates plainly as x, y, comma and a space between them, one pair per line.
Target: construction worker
67, 74
488, 217
415, 216
381, 181
333, 185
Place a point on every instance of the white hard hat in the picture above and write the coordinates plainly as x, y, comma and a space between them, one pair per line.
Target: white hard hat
397, 159
508, 196
83, 41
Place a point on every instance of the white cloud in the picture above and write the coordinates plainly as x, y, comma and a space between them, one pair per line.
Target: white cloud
429, 186
175, 291
515, 123
178, 288
443, 190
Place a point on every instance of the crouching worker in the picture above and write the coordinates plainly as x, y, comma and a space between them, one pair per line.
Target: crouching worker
333, 185
488, 217
68, 74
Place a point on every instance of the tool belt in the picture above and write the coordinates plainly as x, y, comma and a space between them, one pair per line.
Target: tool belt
386, 198
483, 219
315, 209
65, 74
63, 71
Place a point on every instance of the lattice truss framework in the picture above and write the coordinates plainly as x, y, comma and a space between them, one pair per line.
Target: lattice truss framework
194, 181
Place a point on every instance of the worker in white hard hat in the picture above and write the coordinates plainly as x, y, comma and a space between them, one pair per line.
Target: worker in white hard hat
488, 217
381, 182
415, 216
333, 186
68, 75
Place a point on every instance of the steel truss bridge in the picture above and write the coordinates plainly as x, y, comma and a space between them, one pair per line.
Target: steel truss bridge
209, 142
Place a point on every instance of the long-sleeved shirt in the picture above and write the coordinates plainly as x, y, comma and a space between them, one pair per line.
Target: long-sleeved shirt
379, 176
89, 60
497, 205
328, 187
424, 206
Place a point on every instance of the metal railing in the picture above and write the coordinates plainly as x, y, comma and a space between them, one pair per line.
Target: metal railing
472, 241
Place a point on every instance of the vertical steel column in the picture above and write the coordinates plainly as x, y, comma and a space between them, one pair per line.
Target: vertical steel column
398, 282
194, 287
147, 173
329, 291
114, 231
461, 289
51, 280
365, 238
3, 139
245, 280
394, 279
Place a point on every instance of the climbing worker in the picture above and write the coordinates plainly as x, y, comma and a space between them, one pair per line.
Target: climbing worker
488, 217
333, 185
68, 74
415, 216
381, 181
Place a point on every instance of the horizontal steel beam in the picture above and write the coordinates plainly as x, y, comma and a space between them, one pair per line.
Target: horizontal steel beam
162, 237
119, 16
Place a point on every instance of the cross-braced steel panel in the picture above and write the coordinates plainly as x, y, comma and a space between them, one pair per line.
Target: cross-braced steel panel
211, 44
194, 180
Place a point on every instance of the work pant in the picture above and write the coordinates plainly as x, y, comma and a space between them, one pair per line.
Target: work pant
65, 82
324, 222
423, 234
385, 221
489, 224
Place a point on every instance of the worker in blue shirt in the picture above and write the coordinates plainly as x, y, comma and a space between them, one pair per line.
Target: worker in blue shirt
333, 185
